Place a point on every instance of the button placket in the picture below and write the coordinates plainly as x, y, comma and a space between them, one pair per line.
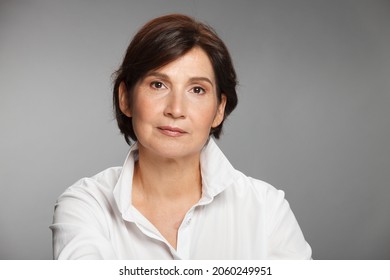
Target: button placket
184, 235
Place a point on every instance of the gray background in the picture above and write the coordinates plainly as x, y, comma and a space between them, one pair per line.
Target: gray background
313, 117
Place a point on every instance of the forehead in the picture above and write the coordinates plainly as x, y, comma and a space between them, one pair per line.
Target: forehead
194, 63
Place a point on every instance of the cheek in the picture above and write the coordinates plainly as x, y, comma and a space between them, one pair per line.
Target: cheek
142, 109
205, 116
141, 112
147, 113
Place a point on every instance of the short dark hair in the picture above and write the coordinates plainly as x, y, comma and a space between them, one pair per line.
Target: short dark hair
163, 40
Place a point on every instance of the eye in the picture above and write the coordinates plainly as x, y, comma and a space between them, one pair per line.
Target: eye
157, 85
198, 90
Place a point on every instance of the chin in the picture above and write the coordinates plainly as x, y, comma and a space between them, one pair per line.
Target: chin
178, 151
173, 149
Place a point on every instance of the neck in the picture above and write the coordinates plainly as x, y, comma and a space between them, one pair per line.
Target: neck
167, 179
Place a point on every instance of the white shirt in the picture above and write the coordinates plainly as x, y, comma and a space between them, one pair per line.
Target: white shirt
237, 217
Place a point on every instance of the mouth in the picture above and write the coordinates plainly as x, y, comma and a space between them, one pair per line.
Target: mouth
171, 131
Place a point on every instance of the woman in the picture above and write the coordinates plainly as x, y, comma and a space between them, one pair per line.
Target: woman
176, 196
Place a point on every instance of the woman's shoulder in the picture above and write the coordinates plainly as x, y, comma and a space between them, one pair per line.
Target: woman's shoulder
98, 185
86, 205
260, 189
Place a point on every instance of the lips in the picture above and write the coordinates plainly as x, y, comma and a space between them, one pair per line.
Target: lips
172, 131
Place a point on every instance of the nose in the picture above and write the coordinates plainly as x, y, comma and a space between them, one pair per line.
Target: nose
175, 105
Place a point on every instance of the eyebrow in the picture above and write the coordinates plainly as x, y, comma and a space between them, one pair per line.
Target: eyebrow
166, 77
158, 75
195, 79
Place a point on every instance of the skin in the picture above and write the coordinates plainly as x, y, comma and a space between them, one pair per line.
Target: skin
173, 109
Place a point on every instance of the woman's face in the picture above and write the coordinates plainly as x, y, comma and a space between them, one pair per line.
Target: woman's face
175, 106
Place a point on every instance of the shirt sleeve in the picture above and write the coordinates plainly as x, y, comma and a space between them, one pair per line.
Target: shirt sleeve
78, 228
285, 238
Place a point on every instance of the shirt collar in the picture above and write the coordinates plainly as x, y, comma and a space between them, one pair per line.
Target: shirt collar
217, 172
217, 175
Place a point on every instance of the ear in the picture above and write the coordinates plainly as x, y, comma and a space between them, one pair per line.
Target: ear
220, 112
123, 100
